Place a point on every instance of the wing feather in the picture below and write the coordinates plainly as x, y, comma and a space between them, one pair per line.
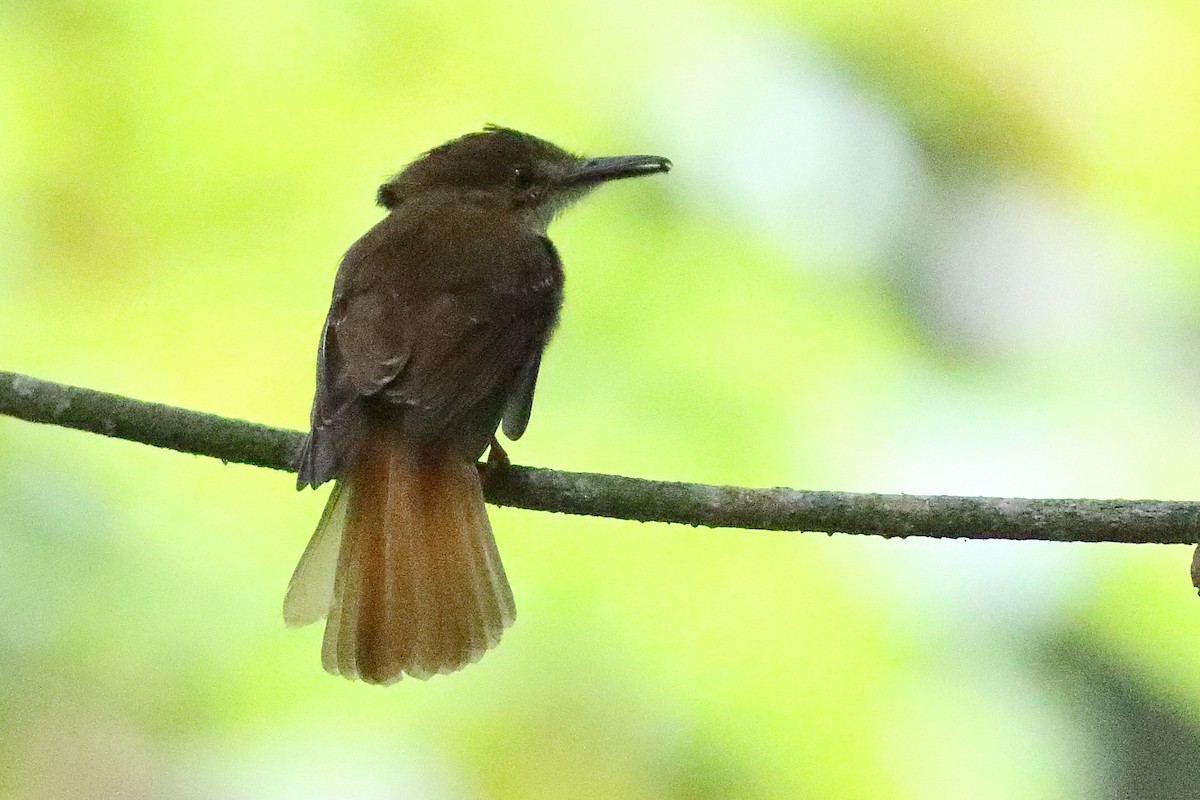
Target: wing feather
440, 333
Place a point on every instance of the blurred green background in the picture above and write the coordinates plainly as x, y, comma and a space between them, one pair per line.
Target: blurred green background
907, 247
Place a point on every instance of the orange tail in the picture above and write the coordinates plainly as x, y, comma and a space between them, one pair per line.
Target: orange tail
404, 564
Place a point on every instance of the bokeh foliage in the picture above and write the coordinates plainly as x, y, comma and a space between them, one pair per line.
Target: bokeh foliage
908, 246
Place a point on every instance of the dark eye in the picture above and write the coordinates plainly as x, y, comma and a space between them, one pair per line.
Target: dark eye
523, 177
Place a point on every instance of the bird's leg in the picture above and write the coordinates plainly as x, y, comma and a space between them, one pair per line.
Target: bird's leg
496, 455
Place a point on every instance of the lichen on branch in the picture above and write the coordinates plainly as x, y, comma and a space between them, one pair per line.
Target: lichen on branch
887, 515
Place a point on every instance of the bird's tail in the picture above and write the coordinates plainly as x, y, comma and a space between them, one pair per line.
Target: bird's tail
404, 564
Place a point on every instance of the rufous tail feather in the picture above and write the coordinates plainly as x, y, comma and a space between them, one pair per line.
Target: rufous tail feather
404, 565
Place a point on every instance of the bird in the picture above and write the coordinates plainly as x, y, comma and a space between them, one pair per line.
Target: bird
434, 338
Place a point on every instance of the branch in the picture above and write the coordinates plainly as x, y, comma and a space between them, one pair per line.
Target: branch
887, 515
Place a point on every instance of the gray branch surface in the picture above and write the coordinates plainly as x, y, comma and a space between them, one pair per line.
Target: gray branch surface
888, 515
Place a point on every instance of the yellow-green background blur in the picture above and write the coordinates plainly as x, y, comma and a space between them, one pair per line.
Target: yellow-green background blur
907, 247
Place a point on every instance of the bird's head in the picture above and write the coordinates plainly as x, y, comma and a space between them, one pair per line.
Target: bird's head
528, 174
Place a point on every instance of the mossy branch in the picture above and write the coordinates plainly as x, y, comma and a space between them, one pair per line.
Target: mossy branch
888, 515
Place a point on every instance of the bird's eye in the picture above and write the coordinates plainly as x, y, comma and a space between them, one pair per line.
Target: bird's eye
523, 177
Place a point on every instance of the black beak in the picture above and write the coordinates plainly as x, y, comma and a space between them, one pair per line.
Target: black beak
598, 170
